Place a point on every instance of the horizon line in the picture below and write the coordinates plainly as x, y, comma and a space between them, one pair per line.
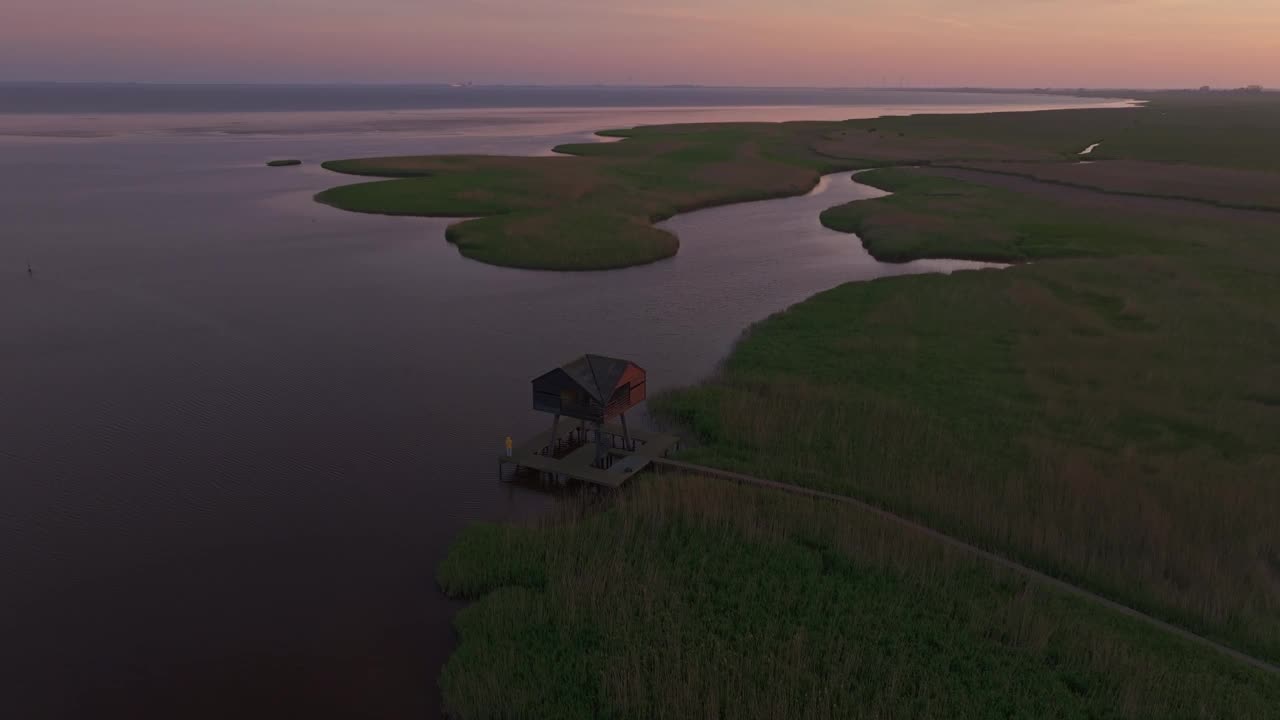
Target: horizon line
624, 85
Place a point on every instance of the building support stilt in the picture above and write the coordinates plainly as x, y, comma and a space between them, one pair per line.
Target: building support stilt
626, 434
600, 451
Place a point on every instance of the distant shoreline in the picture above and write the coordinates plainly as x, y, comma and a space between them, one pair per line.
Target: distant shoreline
110, 98
515, 114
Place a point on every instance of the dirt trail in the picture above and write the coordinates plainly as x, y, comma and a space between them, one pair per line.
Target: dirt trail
1079, 196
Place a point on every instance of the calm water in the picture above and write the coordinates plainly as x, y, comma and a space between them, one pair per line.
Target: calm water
238, 429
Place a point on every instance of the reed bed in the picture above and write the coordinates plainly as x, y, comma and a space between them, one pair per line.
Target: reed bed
1109, 419
1108, 413
687, 597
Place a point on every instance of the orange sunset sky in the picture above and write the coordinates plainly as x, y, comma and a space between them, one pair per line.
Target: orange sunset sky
1130, 43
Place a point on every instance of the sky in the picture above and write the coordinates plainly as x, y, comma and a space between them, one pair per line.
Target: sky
994, 43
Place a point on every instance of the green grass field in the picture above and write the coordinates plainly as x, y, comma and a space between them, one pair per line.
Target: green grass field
594, 210
929, 216
1107, 411
1212, 130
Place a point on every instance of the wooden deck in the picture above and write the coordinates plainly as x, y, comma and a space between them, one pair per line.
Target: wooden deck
577, 465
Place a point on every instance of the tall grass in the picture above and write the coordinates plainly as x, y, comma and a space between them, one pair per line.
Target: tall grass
1100, 419
696, 598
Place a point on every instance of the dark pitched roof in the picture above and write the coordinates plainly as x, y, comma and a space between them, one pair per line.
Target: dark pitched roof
597, 374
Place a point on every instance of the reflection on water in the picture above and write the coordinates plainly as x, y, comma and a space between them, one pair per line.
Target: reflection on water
238, 429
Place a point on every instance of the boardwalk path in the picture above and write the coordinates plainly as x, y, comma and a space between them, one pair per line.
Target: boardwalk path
1080, 195
676, 465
